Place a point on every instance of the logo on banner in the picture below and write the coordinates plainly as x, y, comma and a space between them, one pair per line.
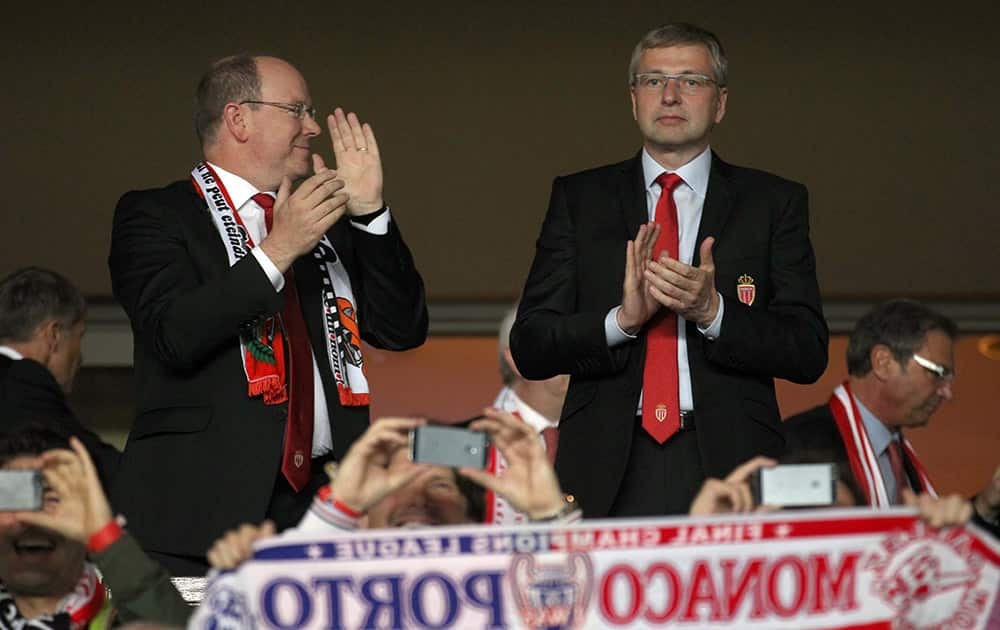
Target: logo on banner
929, 577
552, 596
746, 290
661, 412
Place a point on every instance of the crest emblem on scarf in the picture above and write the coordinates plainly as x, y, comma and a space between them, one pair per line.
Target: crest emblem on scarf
746, 290
552, 596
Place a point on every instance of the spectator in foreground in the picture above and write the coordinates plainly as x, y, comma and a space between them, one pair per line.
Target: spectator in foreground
55, 563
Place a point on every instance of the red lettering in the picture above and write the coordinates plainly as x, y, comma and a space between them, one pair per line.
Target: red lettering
749, 581
834, 590
672, 582
795, 584
702, 591
635, 593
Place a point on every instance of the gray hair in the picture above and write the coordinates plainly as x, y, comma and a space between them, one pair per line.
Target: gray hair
682, 34
229, 80
31, 296
900, 325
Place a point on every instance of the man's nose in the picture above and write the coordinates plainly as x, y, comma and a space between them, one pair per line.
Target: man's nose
944, 390
671, 91
310, 126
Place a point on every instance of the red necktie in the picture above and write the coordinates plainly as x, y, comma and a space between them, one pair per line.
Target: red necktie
550, 436
898, 471
661, 414
297, 456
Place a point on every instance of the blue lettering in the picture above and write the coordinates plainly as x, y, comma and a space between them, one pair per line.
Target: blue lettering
303, 605
390, 601
450, 600
333, 585
484, 591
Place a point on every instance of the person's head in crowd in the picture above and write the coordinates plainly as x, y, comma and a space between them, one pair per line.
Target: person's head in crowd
437, 495
38, 567
545, 396
900, 358
256, 112
42, 318
678, 83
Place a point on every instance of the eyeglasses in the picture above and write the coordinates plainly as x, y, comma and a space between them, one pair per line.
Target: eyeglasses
688, 83
299, 110
940, 372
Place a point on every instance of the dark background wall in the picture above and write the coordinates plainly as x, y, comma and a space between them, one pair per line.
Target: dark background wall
885, 110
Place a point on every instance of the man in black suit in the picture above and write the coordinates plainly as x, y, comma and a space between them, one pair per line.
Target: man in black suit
41, 326
720, 278
248, 308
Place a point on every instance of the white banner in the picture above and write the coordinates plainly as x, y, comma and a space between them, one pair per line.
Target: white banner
831, 569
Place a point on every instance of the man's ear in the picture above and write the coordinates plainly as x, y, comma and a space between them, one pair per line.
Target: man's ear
883, 361
235, 121
509, 358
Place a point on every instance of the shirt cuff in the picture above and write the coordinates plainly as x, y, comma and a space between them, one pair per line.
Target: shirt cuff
277, 280
715, 328
612, 331
379, 226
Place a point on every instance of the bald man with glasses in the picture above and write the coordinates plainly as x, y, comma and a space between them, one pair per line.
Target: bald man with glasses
250, 285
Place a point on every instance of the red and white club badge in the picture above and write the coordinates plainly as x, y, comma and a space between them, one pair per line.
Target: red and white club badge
661, 413
746, 290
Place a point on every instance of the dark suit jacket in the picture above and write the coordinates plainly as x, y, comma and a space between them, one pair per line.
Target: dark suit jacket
202, 456
816, 430
30, 395
761, 226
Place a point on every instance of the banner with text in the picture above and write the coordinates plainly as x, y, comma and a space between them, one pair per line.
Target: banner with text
833, 569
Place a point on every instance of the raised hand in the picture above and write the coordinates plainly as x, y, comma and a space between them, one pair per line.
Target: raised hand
731, 495
529, 483
686, 290
236, 545
359, 164
82, 508
941, 511
364, 476
638, 304
301, 218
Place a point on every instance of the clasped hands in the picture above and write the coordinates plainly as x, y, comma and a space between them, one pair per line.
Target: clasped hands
302, 217
666, 282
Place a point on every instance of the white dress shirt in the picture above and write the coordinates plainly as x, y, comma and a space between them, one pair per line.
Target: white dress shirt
241, 193
689, 196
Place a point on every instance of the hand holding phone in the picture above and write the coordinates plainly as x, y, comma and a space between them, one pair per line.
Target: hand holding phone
21, 490
795, 485
448, 446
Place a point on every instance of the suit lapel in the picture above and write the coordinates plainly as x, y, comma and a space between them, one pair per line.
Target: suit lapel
715, 212
632, 196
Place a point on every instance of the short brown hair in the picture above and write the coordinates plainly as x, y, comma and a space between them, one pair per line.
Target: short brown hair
229, 80
682, 34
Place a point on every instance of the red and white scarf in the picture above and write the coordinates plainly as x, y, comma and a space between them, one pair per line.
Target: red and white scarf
82, 605
861, 455
263, 350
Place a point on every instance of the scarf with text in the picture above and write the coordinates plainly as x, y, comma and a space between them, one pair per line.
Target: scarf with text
861, 455
263, 342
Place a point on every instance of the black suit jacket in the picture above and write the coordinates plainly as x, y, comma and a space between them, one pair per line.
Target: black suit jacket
30, 395
760, 222
202, 456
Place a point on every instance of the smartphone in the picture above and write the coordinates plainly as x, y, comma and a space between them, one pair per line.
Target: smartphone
21, 490
795, 485
448, 446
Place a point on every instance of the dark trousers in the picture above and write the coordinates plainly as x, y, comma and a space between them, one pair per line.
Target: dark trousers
660, 479
286, 509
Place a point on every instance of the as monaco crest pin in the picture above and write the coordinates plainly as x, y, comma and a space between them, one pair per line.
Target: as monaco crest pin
746, 290
661, 412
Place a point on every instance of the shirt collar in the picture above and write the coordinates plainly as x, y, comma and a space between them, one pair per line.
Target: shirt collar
537, 421
878, 434
239, 189
694, 173
7, 351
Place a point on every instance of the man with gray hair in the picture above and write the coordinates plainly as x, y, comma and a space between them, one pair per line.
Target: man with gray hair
673, 288
537, 403
41, 327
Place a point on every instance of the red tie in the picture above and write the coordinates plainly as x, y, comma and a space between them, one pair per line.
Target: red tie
550, 436
898, 471
297, 457
661, 415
